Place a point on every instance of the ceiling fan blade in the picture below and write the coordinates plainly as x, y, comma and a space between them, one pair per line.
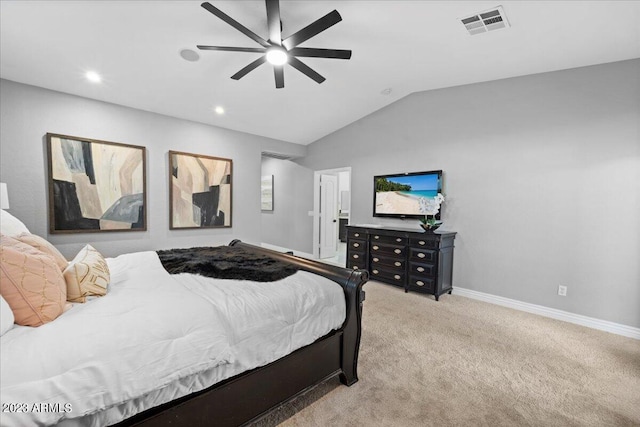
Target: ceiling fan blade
305, 69
235, 24
312, 29
233, 49
278, 71
240, 74
273, 21
321, 53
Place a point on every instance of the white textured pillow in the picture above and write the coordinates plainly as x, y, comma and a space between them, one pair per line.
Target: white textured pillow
6, 316
10, 225
87, 275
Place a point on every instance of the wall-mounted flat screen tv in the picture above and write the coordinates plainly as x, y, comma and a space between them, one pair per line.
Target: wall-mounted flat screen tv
404, 195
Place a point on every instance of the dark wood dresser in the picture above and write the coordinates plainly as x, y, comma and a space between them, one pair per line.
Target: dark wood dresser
411, 259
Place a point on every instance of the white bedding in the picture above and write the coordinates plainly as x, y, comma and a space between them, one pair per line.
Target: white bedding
156, 337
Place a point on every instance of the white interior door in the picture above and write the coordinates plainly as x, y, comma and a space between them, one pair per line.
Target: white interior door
328, 215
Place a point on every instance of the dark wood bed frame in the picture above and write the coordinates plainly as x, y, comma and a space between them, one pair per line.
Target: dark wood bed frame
250, 395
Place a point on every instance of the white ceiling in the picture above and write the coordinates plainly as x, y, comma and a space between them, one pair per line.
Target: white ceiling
408, 46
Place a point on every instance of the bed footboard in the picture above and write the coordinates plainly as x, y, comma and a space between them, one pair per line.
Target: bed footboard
352, 282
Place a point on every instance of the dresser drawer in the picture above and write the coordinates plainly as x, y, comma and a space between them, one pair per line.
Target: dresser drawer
420, 270
356, 259
356, 234
422, 255
357, 245
388, 276
392, 263
356, 256
422, 284
394, 240
383, 249
424, 242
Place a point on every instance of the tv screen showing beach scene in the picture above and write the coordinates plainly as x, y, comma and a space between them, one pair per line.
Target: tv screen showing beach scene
405, 195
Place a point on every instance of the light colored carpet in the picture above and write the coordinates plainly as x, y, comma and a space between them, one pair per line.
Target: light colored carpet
462, 362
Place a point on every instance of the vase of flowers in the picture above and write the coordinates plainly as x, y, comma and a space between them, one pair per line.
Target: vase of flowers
430, 208
429, 224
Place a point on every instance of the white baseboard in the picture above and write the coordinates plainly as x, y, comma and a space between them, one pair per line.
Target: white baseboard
578, 319
281, 249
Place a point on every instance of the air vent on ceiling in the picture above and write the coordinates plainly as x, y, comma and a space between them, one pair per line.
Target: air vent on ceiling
277, 155
489, 20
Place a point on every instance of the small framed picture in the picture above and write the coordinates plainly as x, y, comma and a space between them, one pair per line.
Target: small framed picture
266, 191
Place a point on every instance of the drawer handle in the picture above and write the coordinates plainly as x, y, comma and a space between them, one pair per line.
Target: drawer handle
420, 283
397, 264
376, 237
376, 259
420, 269
421, 255
356, 235
398, 239
397, 277
355, 245
375, 248
356, 256
397, 251
375, 271
422, 242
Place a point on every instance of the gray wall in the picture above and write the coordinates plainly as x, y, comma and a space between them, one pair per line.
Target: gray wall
542, 181
289, 225
27, 113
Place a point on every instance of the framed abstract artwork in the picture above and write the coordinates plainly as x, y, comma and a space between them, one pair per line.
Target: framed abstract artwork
266, 191
199, 191
95, 186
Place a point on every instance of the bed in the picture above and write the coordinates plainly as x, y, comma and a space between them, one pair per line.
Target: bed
175, 356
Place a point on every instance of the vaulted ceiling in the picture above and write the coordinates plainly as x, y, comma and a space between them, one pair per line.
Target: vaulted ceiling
399, 47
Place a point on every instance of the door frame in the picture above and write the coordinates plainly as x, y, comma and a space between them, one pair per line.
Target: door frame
316, 204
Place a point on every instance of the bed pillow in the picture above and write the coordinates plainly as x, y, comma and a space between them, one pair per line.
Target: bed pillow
31, 283
6, 316
87, 275
10, 225
43, 246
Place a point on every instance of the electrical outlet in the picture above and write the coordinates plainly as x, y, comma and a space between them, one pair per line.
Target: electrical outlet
562, 291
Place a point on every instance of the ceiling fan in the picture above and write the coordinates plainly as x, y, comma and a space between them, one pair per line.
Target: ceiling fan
278, 51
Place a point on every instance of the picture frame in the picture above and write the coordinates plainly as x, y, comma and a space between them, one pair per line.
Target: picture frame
266, 193
200, 191
95, 186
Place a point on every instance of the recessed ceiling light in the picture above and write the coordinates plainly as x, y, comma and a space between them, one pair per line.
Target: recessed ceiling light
189, 55
93, 77
219, 110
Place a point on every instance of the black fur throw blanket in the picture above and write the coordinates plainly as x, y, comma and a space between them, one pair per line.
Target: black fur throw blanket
225, 262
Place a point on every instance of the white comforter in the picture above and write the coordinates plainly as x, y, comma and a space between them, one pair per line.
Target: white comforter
153, 338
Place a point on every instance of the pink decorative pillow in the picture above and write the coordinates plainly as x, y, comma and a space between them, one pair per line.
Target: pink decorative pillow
43, 246
31, 282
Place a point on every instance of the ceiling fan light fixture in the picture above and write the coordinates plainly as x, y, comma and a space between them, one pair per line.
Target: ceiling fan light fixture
277, 50
277, 56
